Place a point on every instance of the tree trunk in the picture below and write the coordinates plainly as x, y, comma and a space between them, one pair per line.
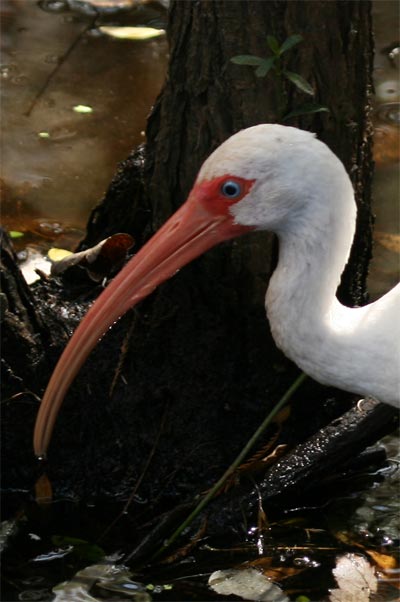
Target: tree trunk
207, 98
185, 379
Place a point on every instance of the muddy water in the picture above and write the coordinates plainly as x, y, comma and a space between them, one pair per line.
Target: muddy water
57, 162
385, 267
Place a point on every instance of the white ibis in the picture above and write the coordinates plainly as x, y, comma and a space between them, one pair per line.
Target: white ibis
267, 177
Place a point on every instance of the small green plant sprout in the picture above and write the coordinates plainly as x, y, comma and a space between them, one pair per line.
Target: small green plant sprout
263, 66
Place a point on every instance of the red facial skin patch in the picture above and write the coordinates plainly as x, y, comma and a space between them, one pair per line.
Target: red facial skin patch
209, 194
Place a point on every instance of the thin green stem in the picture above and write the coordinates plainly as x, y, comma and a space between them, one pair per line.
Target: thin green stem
217, 486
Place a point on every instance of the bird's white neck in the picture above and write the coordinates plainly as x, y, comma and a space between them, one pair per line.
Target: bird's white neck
313, 251
301, 296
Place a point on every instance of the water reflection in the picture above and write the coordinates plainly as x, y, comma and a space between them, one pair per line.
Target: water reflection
58, 162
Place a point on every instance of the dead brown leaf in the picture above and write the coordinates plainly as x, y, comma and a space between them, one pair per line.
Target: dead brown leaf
383, 561
43, 490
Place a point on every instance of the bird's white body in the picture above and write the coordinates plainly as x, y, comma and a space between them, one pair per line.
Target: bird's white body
303, 193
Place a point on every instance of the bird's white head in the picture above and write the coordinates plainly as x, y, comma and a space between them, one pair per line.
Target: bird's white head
271, 177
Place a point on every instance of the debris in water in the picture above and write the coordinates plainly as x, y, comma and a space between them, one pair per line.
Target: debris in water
101, 260
82, 109
55, 254
132, 33
356, 579
249, 584
106, 575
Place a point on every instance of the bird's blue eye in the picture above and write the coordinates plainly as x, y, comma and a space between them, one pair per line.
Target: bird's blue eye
231, 189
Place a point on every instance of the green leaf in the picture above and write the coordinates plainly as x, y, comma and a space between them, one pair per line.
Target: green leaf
15, 234
299, 82
265, 66
307, 109
247, 59
290, 42
273, 44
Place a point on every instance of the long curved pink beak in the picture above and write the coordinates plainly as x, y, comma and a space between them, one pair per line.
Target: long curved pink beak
193, 229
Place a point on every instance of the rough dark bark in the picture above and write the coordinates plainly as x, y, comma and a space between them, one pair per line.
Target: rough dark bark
19, 319
194, 368
206, 98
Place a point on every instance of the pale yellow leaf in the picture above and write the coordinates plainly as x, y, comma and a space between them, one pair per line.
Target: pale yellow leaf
132, 33
82, 109
55, 254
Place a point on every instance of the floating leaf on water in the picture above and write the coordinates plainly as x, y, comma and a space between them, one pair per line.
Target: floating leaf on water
132, 33
82, 109
56, 254
249, 584
356, 579
112, 4
15, 234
